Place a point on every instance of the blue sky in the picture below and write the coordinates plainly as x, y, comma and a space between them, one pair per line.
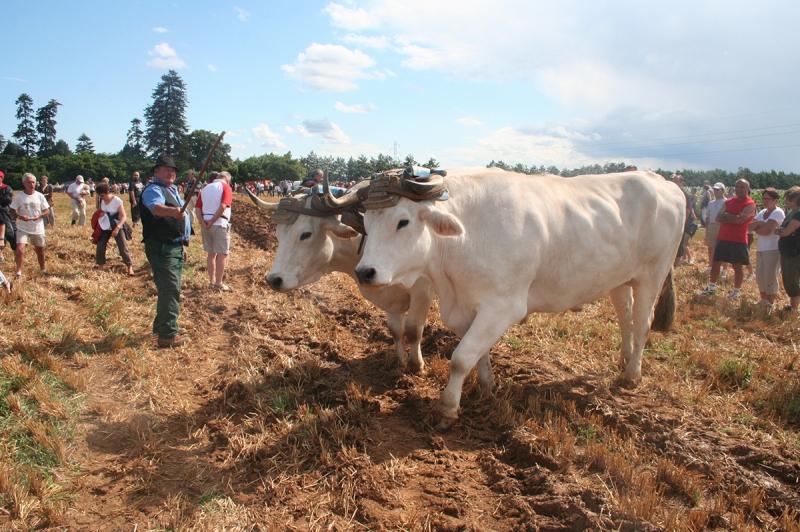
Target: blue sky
659, 84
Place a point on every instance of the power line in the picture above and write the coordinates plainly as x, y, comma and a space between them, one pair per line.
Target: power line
707, 141
661, 156
607, 144
721, 118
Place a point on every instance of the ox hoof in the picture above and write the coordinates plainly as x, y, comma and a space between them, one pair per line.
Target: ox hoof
626, 382
444, 425
417, 370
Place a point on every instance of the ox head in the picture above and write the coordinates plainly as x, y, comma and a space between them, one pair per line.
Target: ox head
307, 234
402, 227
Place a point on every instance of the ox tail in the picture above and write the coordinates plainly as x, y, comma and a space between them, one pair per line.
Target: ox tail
665, 308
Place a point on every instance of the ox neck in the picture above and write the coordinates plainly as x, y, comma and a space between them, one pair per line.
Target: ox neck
345, 256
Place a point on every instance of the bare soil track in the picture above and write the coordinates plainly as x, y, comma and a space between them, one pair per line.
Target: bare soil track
286, 413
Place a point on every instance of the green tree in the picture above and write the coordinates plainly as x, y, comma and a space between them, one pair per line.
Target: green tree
359, 168
410, 161
432, 163
26, 131
270, 166
61, 148
383, 162
134, 146
46, 128
166, 120
200, 142
84, 144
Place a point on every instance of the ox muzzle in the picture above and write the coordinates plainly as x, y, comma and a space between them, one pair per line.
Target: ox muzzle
366, 275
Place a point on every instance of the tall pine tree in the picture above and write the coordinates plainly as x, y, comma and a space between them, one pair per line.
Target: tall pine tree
166, 120
46, 128
134, 146
84, 144
26, 131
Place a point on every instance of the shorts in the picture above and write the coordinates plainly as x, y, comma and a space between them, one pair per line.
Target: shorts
25, 238
790, 270
767, 264
217, 239
711, 234
732, 252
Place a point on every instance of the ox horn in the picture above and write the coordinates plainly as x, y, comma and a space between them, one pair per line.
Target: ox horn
345, 201
261, 204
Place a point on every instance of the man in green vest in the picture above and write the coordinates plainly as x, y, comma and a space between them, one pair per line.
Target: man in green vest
166, 231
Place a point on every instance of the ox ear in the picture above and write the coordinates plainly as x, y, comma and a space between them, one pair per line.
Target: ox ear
341, 230
442, 223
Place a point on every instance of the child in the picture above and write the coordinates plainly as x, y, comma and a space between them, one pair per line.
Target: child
5, 283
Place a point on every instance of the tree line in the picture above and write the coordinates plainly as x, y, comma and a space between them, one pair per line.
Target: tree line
692, 178
35, 148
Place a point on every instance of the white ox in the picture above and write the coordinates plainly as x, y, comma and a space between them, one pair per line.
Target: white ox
505, 245
315, 245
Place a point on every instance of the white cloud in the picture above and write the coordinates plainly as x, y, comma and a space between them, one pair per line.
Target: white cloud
212, 68
469, 121
323, 128
360, 108
160, 29
166, 57
652, 59
347, 18
270, 138
330, 68
379, 43
243, 14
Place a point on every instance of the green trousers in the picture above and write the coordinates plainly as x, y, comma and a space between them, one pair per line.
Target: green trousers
166, 262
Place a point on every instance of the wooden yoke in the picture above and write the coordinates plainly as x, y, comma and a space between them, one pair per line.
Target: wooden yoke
200, 175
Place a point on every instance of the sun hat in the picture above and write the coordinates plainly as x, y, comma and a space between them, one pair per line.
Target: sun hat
164, 160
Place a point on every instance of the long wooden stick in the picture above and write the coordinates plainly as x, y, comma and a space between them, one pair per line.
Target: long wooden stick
200, 175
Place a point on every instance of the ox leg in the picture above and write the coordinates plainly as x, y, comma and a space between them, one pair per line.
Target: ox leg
487, 327
396, 324
644, 300
485, 374
421, 297
622, 299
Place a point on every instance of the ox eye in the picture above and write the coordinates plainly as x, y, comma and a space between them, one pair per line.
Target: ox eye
401, 224
306, 235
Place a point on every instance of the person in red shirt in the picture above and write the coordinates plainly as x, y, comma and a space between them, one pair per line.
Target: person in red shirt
213, 209
731, 245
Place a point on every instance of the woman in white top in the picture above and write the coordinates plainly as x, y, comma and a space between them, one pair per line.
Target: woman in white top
111, 227
768, 257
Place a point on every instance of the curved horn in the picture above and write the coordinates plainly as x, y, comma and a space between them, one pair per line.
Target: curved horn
344, 201
261, 204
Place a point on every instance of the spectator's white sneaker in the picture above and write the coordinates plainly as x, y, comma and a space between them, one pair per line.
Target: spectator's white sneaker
750, 277
765, 303
723, 275
691, 261
708, 270
707, 291
733, 295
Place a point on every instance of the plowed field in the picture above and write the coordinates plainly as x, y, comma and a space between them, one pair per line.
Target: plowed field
285, 412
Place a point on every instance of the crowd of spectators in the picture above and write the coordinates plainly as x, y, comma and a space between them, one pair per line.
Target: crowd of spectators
167, 212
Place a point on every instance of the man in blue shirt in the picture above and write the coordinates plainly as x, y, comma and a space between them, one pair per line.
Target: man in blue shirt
166, 230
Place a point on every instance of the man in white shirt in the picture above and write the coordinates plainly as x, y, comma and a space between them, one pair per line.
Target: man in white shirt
213, 209
77, 193
30, 209
712, 225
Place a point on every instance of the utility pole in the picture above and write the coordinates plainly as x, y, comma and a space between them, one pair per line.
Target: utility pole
396, 158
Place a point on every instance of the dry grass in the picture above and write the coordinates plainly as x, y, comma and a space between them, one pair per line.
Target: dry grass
299, 421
